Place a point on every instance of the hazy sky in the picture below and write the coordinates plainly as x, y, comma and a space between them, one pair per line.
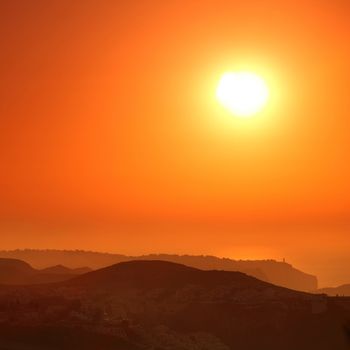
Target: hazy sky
111, 138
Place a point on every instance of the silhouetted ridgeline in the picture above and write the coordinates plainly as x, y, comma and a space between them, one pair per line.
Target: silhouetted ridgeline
165, 306
343, 290
278, 273
16, 272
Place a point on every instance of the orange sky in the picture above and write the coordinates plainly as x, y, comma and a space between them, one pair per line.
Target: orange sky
111, 138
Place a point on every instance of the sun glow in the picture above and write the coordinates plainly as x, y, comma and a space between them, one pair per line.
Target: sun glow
244, 94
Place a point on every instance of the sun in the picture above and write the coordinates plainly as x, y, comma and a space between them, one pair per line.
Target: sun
244, 94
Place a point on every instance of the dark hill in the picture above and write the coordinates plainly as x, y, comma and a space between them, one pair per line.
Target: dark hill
63, 270
228, 305
12, 271
153, 274
163, 305
81, 270
276, 272
57, 269
343, 290
17, 272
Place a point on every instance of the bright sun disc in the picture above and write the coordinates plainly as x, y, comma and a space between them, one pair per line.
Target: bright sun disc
243, 93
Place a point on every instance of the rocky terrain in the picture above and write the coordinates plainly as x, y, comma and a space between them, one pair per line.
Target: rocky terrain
163, 305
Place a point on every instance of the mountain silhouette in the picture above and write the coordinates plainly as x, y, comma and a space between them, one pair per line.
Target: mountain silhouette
276, 272
64, 270
231, 306
152, 304
17, 272
151, 274
343, 290
13, 270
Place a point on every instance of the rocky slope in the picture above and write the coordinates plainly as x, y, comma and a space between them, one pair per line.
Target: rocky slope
167, 306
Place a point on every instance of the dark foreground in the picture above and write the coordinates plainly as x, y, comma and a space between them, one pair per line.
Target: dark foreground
161, 305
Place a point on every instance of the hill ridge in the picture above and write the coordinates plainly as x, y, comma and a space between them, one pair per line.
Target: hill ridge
276, 272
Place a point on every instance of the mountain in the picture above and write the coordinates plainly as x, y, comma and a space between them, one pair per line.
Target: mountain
151, 274
276, 272
343, 290
279, 273
57, 269
173, 301
17, 272
13, 270
63, 270
81, 270
163, 305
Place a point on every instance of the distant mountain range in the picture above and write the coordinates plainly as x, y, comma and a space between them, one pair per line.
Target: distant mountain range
153, 274
149, 304
276, 272
17, 272
343, 290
